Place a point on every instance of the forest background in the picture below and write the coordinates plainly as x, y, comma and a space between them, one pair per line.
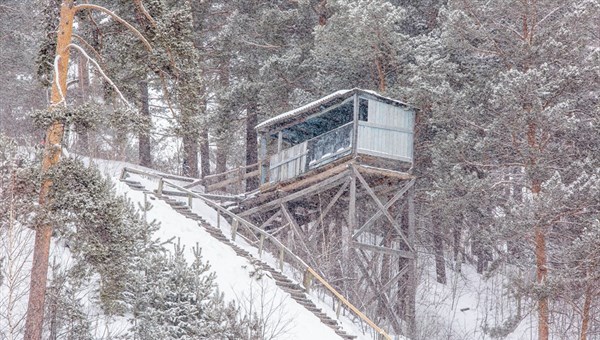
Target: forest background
507, 131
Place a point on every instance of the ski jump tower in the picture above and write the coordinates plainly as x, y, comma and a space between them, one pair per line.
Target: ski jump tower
336, 188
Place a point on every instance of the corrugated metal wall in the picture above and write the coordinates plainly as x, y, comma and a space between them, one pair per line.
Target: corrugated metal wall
388, 132
289, 163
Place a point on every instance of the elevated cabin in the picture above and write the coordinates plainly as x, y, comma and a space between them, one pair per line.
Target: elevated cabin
344, 124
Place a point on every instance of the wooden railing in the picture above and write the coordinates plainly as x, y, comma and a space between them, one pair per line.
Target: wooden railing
310, 276
233, 176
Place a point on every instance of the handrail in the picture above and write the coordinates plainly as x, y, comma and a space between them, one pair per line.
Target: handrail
318, 137
231, 171
155, 175
309, 271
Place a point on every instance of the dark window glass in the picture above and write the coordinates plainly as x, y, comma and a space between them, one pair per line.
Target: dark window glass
363, 110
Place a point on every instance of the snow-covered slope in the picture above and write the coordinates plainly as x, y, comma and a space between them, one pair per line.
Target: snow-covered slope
236, 276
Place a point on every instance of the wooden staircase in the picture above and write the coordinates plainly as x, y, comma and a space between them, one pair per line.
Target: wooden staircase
296, 291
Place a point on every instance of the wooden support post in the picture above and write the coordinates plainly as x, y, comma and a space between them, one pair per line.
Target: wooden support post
383, 209
412, 281
234, 227
379, 213
281, 258
160, 187
355, 127
352, 206
190, 200
279, 141
307, 280
260, 245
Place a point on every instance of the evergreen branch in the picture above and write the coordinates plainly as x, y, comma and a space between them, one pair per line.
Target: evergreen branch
82, 51
142, 9
82, 40
268, 46
117, 18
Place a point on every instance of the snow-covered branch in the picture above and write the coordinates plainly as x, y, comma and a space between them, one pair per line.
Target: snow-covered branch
119, 19
82, 51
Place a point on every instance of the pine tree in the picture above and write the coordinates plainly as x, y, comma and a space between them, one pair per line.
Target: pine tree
180, 301
526, 118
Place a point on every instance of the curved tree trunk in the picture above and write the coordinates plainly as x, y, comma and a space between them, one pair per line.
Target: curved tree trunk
52, 153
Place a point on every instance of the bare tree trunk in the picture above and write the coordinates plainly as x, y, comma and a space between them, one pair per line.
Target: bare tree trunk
144, 149
586, 311
204, 153
541, 259
541, 273
222, 151
52, 152
190, 156
440, 262
251, 144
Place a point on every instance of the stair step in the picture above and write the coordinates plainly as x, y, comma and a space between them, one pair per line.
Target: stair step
297, 292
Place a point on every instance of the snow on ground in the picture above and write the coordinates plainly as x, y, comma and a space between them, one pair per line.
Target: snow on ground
458, 310
462, 307
234, 274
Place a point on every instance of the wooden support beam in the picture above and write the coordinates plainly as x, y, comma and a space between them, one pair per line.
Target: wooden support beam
381, 295
270, 219
316, 178
232, 180
384, 250
379, 213
382, 208
412, 281
296, 229
352, 204
333, 201
322, 186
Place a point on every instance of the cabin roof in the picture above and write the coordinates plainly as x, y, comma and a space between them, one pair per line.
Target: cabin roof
320, 104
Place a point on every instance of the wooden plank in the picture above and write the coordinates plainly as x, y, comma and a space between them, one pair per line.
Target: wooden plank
350, 306
232, 180
384, 172
381, 207
209, 177
384, 155
322, 186
384, 250
315, 178
379, 213
158, 175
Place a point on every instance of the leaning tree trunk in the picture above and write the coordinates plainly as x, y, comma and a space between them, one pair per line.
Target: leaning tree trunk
52, 152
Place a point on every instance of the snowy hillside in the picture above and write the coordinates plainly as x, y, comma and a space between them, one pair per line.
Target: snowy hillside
236, 277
